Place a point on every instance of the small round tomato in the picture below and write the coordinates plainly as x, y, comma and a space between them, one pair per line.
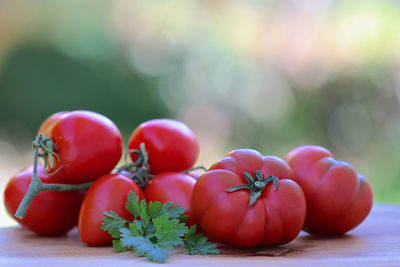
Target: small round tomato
234, 207
338, 198
110, 192
173, 187
50, 213
170, 144
87, 143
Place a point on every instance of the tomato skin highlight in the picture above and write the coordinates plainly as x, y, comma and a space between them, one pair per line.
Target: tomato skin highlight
49, 123
50, 213
276, 217
338, 198
170, 144
110, 192
173, 187
88, 144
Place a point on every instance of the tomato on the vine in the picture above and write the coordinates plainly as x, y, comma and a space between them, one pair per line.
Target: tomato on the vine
338, 198
110, 192
247, 200
173, 187
88, 145
170, 144
51, 212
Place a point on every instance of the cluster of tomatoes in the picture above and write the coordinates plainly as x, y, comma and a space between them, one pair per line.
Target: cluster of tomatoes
244, 200
309, 190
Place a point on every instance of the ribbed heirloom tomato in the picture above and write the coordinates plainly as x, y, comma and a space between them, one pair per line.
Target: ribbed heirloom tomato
51, 212
262, 207
170, 144
173, 187
338, 198
88, 145
110, 192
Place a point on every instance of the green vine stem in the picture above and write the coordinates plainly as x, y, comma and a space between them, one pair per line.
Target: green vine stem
47, 146
195, 169
256, 185
139, 169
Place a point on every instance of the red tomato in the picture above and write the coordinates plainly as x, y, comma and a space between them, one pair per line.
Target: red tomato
50, 213
48, 124
338, 198
170, 144
275, 218
173, 187
88, 144
110, 192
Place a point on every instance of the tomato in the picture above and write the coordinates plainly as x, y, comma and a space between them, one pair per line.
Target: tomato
170, 144
50, 213
275, 217
88, 145
173, 187
48, 124
110, 192
338, 198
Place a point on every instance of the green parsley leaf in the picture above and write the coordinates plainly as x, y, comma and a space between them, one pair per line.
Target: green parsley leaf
183, 218
155, 230
197, 243
112, 223
158, 254
132, 205
145, 247
129, 237
155, 247
173, 212
136, 208
169, 232
154, 209
118, 246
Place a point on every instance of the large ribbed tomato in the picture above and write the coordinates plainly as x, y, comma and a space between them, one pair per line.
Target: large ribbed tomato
51, 212
110, 192
87, 143
170, 145
276, 216
338, 198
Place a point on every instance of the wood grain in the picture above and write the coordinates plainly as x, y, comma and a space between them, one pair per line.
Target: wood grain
376, 242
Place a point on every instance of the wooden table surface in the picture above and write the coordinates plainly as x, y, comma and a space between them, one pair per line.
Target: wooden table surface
376, 242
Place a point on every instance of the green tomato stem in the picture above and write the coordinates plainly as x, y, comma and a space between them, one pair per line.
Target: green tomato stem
255, 185
33, 190
139, 170
36, 186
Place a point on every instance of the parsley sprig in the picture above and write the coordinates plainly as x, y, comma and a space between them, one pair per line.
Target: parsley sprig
155, 231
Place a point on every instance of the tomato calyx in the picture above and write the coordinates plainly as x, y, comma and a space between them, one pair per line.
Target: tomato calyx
256, 185
139, 169
44, 148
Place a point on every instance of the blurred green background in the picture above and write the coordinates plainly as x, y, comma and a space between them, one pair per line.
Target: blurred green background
268, 75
